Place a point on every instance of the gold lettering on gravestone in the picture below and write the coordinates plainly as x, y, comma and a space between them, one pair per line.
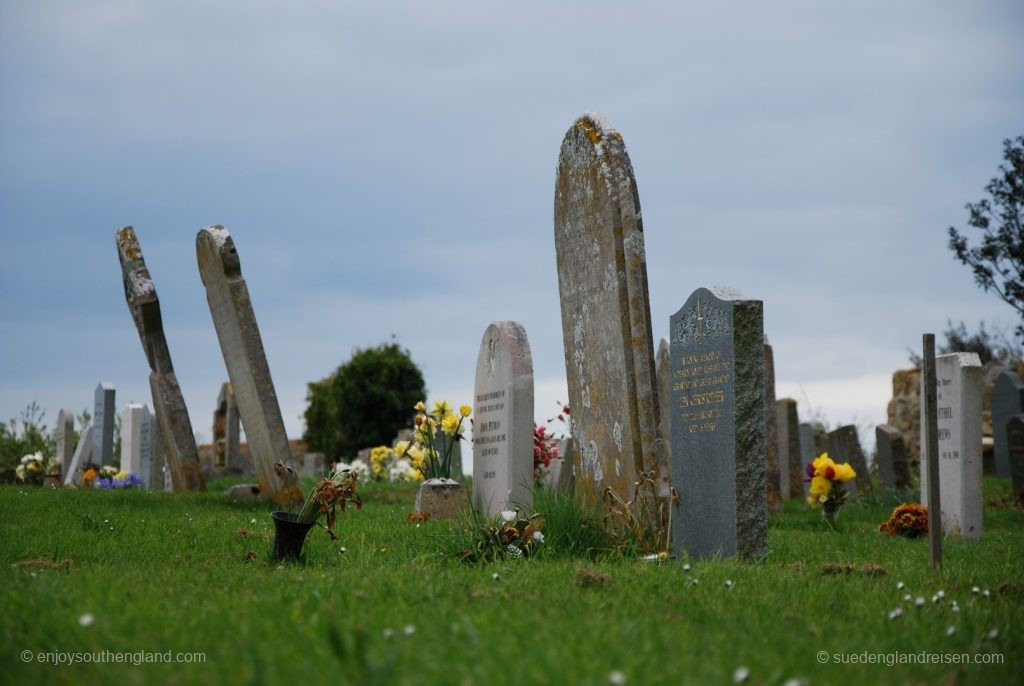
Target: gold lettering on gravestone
703, 377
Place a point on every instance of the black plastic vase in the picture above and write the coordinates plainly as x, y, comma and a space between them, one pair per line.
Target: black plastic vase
289, 535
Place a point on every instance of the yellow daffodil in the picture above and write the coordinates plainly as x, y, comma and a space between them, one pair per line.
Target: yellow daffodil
416, 475
416, 455
401, 448
812, 501
820, 486
420, 407
450, 424
465, 410
844, 472
441, 408
822, 463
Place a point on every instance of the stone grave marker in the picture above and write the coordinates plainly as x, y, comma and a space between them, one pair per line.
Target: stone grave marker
226, 432
64, 433
1007, 402
135, 440
168, 402
503, 420
663, 372
958, 406
1015, 454
791, 473
893, 464
81, 457
844, 446
103, 423
718, 442
606, 322
559, 475
771, 432
246, 362
153, 468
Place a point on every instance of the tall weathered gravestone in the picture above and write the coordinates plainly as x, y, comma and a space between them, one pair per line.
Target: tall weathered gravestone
503, 420
168, 401
606, 323
1015, 453
246, 362
893, 464
813, 442
64, 434
844, 446
103, 421
958, 397
135, 440
771, 432
791, 474
1007, 402
718, 443
663, 372
226, 432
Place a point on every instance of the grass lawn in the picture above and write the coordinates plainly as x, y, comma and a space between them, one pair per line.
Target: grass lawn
190, 573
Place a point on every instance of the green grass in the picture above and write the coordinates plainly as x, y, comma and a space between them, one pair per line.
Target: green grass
190, 573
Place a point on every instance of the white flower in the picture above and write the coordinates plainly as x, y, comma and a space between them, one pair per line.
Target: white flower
919, 602
508, 515
897, 612
993, 635
513, 551
955, 607
86, 619
388, 633
940, 595
495, 576
538, 536
409, 630
975, 589
728, 583
686, 567
950, 631
617, 678
908, 598
899, 586
740, 675
985, 593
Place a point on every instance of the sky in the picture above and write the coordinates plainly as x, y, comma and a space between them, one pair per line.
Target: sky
387, 170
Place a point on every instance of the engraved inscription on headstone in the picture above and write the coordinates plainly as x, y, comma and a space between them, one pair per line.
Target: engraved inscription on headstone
503, 420
606, 327
1007, 402
958, 405
103, 421
718, 444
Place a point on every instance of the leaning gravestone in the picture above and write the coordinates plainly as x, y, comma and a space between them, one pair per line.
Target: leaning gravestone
168, 401
134, 438
663, 372
1007, 402
103, 421
64, 433
791, 475
893, 465
81, 457
1015, 452
242, 348
718, 445
958, 397
606, 323
771, 432
503, 421
844, 446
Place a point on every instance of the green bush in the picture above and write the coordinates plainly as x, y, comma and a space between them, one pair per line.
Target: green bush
364, 403
31, 438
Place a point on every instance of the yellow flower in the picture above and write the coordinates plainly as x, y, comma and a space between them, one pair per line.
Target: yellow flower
465, 410
420, 407
416, 475
820, 486
450, 424
441, 408
812, 501
401, 447
844, 472
416, 456
821, 463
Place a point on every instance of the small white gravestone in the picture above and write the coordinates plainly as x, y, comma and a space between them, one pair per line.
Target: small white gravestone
958, 386
134, 438
503, 420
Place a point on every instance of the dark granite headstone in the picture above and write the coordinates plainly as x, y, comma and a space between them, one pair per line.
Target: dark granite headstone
1015, 453
771, 432
718, 445
103, 425
791, 474
893, 465
1007, 402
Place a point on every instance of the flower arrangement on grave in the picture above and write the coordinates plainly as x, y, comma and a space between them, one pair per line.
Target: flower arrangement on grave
93, 475
545, 449
32, 469
118, 481
513, 535
404, 463
909, 520
435, 464
334, 492
824, 474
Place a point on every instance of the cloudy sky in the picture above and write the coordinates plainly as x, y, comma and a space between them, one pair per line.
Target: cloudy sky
388, 169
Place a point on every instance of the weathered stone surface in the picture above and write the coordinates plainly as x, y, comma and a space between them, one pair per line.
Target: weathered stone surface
226, 433
503, 421
311, 464
135, 443
153, 470
958, 386
439, 499
663, 373
81, 457
1015, 453
1007, 402
168, 401
718, 426
904, 410
606, 327
243, 492
844, 446
242, 348
103, 423
559, 474
891, 453
64, 434
771, 433
791, 473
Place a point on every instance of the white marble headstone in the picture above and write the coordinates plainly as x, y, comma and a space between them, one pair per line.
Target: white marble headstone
134, 438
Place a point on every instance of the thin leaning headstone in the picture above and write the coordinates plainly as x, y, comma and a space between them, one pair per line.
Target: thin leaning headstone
1015, 454
791, 474
606, 322
244, 357
103, 421
64, 433
1007, 402
81, 457
771, 432
168, 401
718, 443
930, 450
503, 421
958, 408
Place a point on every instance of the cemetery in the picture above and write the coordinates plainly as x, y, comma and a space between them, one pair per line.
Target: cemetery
664, 503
